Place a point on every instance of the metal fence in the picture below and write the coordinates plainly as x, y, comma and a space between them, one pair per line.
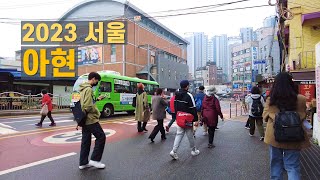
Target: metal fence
18, 101
235, 109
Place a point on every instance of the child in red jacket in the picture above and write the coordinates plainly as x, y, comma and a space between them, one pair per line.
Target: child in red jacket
46, 100
173, 114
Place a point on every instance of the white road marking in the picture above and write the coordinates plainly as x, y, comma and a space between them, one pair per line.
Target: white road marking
6, 126
36, 163
7, 131
36, 119
34, 116
54, 121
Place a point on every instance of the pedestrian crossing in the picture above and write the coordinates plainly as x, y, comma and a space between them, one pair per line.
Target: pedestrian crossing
132, 122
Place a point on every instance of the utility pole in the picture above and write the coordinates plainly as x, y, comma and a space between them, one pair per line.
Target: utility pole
148, 62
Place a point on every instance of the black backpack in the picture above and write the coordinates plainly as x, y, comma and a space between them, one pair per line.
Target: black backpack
257, 107
79, 116
288, 127
134, 101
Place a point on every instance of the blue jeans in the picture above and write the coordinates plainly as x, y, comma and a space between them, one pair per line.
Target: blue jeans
284, 159
172, 120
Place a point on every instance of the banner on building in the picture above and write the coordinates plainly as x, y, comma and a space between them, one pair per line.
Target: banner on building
90, 55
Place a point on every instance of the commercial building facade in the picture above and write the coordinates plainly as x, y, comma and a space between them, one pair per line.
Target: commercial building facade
268, 63
302, 33
145, 37
243, 56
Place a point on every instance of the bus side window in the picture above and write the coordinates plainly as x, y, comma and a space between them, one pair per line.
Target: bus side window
105, 87
133, 87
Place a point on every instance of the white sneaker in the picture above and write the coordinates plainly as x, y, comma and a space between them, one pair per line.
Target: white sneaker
195, 152
251, 135
174, 155
97, 164
84, 166
205, 133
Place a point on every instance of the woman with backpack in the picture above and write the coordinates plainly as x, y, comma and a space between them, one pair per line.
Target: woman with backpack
210, 111
284, 112
142, 113
256, 104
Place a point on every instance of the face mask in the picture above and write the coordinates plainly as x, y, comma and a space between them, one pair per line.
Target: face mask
95, 84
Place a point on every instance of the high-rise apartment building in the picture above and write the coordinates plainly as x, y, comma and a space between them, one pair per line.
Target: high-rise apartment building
247, 34
197, 51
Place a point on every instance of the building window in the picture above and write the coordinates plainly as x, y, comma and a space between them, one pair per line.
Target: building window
113, 53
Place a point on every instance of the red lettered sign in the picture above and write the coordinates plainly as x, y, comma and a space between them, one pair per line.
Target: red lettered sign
308, 90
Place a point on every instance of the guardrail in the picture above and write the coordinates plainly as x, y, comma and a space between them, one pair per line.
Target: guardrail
18, 101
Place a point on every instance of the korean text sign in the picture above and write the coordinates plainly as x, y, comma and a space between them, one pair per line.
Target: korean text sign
50, 49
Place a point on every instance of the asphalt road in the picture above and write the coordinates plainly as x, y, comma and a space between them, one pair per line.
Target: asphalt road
236, 156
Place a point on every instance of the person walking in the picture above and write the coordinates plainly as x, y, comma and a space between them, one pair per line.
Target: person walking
46, 100
173, 113
92, 125
184, 103
256, 104
159, 113
210, 111
142, 114
199, 100
283, 101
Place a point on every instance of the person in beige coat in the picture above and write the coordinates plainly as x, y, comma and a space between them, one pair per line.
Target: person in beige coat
284, 155
142, 113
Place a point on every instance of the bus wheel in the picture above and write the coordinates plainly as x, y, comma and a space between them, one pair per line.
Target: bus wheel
107, 110
130, 112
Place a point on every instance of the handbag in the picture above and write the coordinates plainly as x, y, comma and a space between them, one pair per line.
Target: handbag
44, 110
146, 115
184, 120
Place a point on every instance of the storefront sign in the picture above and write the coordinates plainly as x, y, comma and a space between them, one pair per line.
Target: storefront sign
308, 90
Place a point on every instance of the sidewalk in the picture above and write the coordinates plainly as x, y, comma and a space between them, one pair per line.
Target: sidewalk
30, 112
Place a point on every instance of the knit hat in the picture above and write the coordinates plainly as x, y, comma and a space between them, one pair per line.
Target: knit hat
184, 84
211, 91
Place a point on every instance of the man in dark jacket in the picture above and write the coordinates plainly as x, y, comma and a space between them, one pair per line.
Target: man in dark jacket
184, 102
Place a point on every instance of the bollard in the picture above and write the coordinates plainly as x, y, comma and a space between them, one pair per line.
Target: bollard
236, 109
230, 110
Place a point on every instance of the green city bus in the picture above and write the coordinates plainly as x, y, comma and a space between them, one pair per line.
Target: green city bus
119, 91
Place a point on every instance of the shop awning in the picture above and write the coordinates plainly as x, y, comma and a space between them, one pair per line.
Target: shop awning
303, 76
310, 16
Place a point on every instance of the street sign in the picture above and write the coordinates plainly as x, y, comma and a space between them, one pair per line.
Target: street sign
263, 61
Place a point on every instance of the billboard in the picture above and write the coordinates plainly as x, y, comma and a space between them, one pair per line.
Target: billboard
89, 55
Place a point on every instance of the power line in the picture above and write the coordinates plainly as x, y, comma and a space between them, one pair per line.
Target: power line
200, 7
145, 14
32, 5
203, 12
150, 17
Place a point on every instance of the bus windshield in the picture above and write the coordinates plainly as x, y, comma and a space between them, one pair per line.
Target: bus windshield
80, 80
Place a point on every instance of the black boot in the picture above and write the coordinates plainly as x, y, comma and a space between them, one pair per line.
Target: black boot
144, 127
139, 127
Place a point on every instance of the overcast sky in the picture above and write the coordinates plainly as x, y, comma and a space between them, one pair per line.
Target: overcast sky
228, 22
